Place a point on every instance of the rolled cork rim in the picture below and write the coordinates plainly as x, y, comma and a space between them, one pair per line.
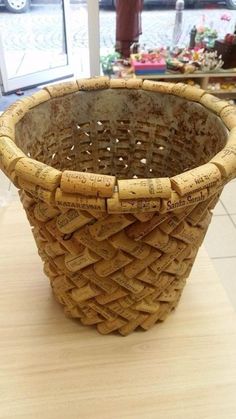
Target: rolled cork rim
26, 172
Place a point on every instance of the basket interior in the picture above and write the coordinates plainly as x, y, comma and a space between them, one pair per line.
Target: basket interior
127, 133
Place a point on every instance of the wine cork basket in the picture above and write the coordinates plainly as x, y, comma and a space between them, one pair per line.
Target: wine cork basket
118, 179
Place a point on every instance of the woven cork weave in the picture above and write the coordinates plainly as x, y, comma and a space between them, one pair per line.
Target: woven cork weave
118, 180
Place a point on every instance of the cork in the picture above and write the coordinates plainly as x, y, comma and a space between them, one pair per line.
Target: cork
150, 320
134, 83
132, 325
144, 188
214, 103
187, 233
107, 298
228, 116
117, 83
168, 296
107, 267
156, 238
164, 281
199, 211
68, 243
144, 216
103, 311
110, 225
89, 321
148, 276
87, 183
161, 263
192, 93
93, 84
7, 127
54, 249
115, 205
83, 294
177, 201
63, 283
96, 214
68, 200
147, 290
127, 313
135, 267
225, 161
36, 191
76, 262
16, 111
196, 179
45, 212
102, 248
156, 86
123, 242
232, 137
9, 154
38, 173
35, 99
139, 230
71, 220
61, 89
173, 219
178, 89
131, 284
49, 270
110, 326
147, 306
106, 284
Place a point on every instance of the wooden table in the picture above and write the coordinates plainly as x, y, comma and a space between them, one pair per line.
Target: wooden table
52, 367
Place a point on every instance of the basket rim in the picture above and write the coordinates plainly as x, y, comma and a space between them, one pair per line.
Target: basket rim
117, 199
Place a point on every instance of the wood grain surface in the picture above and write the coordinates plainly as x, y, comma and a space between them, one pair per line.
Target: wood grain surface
52, 367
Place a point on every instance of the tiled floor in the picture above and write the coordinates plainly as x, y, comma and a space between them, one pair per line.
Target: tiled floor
220, 241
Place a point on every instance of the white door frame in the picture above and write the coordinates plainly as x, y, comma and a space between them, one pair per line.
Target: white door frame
43, 76
94, 37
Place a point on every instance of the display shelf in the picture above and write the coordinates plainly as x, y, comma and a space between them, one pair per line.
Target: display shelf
203, 80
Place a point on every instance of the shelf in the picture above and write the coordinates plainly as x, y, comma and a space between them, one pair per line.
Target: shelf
189, 76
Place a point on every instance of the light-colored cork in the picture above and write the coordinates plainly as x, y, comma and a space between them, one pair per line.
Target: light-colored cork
38, 173
135, 267
102, 248
61, 89
130, 284
214, 103
68, 200
9, 154
93, 84
37, 191
37, 98
7, 127
225, 161
176, 201
87, 183
228, 116
45, 212
196, 179
72, 219
123, 242
76, 262
117, 83
110, 225
16, 111
155, 86
144, 188
118, 206
134, 83
107, 267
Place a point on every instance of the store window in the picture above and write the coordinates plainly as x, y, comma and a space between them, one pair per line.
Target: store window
191, 41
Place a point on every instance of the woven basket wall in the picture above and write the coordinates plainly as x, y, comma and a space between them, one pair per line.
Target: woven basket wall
118, 180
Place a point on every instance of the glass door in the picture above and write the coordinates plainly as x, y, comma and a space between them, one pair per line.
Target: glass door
35, 45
